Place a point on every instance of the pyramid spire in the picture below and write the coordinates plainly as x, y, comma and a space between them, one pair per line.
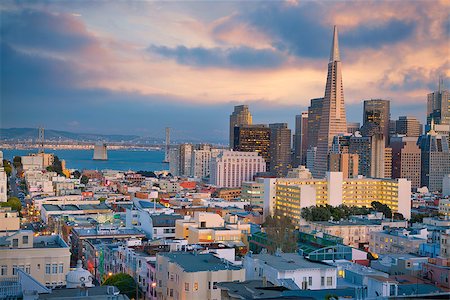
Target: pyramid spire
334, 53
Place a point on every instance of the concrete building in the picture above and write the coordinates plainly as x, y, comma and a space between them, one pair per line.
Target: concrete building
280, 149
397, 241
288, 196
240, 116
253, 138
446, 186
253, 192
376, 116
156, 226
445, 244
3, 185
408, 126
347, 163
300, 139
353, 127
46, 258
9, 221
333, 120
100, 152
406, 159
185, 275
435, 157
437, 270
290, 270
231, 168
185, 157
32, 162
314, 115
201, 161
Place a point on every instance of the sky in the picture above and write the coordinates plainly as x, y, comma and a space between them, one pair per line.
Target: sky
117, 67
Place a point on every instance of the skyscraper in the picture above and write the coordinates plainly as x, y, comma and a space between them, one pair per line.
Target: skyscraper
409, 126
314, 115
406, 159
300, 139
438, 106
333, 119
250, 138
376, 116
240, 116
280, 149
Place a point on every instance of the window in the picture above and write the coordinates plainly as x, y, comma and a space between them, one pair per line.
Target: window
61, 268
195, 286
171, 293
4, 270
25, 239
186, 286
215, 285
309, 281
14, 269
322, 281
54, 268
47, 268
329, 281
28, 269
15, 242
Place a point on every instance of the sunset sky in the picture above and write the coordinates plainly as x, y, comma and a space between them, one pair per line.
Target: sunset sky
135, 68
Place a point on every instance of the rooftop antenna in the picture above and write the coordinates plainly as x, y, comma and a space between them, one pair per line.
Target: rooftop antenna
41, 139
166, 155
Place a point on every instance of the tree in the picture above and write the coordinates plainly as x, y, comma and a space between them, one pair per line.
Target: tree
57, 166
17, 162
281, 234
124, 282
378, 206
76, 174
14, 203
102, 199
7, 167
84, 179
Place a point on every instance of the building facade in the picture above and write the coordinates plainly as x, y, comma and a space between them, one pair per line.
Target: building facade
240, 116
300, 139
280, 149
406, 159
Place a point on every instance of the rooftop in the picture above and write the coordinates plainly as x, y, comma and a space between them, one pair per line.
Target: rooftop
193, 262
289, 261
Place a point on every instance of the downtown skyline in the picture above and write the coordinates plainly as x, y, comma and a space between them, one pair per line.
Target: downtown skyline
137, 68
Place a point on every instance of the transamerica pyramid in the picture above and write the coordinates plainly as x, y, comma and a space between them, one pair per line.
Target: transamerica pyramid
333, 120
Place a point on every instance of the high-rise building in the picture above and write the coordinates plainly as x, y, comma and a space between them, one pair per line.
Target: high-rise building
438, 106
378, 155
300, 139
240, 116
409, 126
231, 168
376, 116
314, 115
333, 120
347, 163
280, 149
362, 145
353, 127
201, 160
435, 154
174, 160
250, 138
406, 159
185, 159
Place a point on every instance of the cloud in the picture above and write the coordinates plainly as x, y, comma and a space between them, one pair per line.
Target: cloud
235, 58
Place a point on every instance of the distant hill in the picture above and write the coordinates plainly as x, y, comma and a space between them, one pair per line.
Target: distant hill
23, 134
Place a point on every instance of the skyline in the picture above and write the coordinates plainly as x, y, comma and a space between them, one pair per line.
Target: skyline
184, 65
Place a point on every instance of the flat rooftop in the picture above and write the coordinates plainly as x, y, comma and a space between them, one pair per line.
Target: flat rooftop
194, 262
289, 261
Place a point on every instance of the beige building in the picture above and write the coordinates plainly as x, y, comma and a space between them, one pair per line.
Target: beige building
409, 126
240, 116
347, 163
288, 196
45, 258
406, 159
444, 207
445, 244
207, 227
397, 241
186, 275
9, 221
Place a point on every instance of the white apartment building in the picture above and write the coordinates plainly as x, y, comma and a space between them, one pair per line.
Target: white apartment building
3, 185
282, 267
9, 221
201, 161
231, 168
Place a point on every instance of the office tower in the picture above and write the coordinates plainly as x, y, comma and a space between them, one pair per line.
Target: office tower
333, 120
409, 126
362, 145
435, 156
311, 158
376, 116
387, 162
185, 159
392, 127
280, 149
251, 138
406, 159
438, 106
231, 168
240, 116
346, 163
377, 156
3, 181
174, 160
300, 139
353, 127
314, 114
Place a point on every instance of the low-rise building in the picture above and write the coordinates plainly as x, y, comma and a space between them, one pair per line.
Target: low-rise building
9, 221
253, 192
185, 275
397, 241
290, 270
46, 258
437, 270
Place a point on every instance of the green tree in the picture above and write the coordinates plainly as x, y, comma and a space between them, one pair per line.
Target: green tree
76, 174
17, 162
378, 206
124, 282
281, 234
7, 167
57, 166
102, 199
14, 203
84, 179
